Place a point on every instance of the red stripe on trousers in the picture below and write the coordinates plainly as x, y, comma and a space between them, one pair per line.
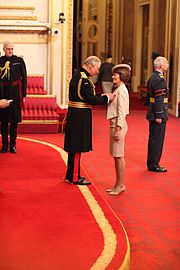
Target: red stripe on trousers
76, 166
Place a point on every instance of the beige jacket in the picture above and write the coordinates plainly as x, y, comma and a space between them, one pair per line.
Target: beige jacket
119, 107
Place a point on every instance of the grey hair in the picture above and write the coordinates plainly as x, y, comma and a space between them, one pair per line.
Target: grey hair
92, 60
5, 43
159, 61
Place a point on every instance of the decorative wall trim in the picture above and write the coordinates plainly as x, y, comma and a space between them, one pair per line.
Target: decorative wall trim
23, 18
109, 27
23, 30
17, 8
90, 25
24, 27
143, 2
24, 38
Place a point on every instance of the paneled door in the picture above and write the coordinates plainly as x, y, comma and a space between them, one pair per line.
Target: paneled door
89, 30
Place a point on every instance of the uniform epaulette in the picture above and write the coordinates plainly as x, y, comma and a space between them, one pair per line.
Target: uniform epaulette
161, 75
83, 75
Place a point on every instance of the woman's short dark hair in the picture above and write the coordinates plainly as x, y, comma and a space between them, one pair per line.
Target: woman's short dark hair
124, 73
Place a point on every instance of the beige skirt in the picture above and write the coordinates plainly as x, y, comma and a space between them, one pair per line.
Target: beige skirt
116, 148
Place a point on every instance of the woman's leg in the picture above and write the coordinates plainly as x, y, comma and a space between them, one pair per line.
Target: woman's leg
119, 168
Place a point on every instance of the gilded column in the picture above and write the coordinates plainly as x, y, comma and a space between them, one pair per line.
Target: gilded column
67, 49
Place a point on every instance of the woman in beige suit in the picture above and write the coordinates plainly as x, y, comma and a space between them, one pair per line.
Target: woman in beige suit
116, 113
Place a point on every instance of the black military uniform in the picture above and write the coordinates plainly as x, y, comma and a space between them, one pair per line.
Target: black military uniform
157, 100
13, 81
78, 132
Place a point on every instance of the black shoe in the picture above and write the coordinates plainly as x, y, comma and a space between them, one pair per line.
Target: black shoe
13, 149
69, 181
4, 149
82, 177
157, 168
82, 182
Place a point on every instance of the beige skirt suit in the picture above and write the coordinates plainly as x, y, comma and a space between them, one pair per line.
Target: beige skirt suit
116, 113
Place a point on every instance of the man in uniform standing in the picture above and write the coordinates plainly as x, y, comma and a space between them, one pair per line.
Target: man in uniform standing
13, 81
78, 132
157, 114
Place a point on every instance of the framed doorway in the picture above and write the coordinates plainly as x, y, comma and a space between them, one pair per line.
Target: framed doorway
89, 35
141, 44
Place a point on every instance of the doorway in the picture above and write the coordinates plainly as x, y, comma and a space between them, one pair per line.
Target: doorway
89, 34
141, 61
144, 49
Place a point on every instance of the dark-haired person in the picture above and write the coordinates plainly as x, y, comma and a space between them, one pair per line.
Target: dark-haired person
116, 113
157, 114
13, 80
78, 132
105, 75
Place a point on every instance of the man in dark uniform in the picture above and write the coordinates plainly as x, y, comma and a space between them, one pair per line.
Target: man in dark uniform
78, 132
157, 114
13, 81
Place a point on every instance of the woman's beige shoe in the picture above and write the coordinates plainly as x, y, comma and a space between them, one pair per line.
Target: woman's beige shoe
117, 192
109, 190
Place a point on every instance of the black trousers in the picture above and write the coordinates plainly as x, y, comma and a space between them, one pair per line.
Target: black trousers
73, 166
13, 134
155, 143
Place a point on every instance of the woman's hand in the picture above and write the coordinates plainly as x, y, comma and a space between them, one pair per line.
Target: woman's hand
116, 133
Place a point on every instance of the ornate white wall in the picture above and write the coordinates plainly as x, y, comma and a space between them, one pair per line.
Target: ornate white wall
39, 37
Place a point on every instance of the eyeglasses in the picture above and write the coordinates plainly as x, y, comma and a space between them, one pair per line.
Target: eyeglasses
9, 49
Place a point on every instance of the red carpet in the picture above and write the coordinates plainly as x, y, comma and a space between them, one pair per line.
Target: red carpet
149, 209
46, 223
